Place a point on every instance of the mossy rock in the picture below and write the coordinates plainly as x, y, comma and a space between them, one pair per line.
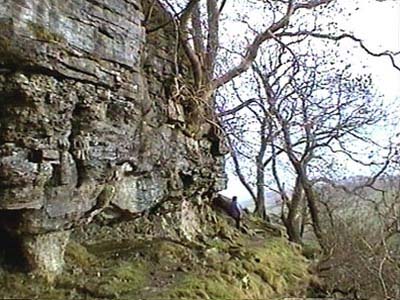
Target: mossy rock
261, 271
44, 34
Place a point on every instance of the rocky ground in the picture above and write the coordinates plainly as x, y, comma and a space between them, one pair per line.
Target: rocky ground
148, 258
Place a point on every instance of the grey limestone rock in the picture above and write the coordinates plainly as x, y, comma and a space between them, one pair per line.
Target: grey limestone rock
84, 104
45, 252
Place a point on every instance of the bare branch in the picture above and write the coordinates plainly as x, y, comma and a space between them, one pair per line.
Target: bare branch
252, 49
212, 38
189, 51
391, 55
221, 8
198, 36
238, 170
237, 108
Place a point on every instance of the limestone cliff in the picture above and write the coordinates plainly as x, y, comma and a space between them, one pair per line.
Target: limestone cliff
88, 120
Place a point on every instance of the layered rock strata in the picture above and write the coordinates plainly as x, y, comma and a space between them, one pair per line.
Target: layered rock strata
88, 120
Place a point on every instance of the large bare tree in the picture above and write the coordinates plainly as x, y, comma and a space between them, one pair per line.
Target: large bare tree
305, 112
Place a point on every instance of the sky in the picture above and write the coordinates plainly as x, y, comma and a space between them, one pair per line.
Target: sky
377, 23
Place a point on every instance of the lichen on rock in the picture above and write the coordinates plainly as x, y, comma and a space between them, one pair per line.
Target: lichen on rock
45, 253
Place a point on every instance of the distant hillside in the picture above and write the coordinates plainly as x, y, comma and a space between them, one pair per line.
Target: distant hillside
272, 203
336, 190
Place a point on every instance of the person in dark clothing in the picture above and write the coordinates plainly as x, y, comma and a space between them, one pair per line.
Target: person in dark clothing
235, 211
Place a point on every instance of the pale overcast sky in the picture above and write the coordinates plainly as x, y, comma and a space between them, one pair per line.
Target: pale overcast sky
378, 23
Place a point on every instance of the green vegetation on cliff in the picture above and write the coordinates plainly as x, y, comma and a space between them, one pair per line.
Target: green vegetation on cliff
132, 261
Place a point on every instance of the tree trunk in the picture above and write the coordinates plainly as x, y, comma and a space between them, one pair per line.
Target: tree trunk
311, 202
292, 222
312, 206
260, 200
304, 215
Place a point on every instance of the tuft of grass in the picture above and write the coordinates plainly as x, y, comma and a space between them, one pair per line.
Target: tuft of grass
211, 286
26, 286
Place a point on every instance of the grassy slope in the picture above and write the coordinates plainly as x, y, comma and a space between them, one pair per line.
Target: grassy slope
129, 261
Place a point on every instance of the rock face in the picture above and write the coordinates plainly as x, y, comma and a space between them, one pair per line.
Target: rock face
88, 120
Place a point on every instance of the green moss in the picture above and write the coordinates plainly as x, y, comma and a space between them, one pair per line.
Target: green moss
84, 275
9, 54
19, 285
228, 265
118, 280
260, 271
311, 249
79, 256
44, 34
205, 287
